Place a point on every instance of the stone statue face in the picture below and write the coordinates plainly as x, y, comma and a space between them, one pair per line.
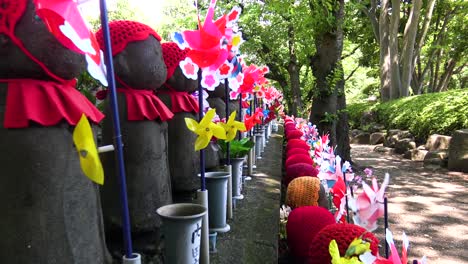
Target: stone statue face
41, 44
180, 83
140, 65
220, 91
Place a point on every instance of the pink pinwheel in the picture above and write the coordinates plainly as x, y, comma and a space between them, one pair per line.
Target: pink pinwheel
208, 49
339, 192
213, 46
394, 257
64, 21
370, 204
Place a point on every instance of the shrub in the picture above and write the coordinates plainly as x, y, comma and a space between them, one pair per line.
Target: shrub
423, 115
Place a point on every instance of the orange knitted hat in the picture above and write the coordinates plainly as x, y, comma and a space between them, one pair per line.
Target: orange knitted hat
123, 32
303, 191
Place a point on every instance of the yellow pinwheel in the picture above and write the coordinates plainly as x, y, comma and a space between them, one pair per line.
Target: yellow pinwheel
358, 249
205, 130
87, 151
231, 127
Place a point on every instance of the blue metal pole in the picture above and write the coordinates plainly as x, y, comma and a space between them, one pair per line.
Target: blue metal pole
226, 101
127, 236
200, 117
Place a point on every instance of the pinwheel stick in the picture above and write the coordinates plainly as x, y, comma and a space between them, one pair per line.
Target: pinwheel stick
117, 134
240, 114
346, 195
226, 101
254, 107
386, 224
200, 117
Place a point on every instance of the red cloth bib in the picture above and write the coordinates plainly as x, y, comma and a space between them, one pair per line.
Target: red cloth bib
46, 103
145, 105
181, 101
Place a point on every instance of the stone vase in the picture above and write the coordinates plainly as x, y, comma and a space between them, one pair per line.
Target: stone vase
181, 230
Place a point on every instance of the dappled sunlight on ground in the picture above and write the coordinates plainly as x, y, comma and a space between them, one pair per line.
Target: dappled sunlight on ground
430, 206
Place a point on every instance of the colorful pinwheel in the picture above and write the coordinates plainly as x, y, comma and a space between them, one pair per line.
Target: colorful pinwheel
205, 130
231, 127
64, 21
357, 248
369, 205
87, 151
213, 46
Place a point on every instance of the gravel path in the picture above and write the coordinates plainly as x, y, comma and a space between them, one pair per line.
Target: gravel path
430, 206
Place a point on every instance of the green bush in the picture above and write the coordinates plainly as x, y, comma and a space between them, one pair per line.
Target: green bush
355, 112
423, 115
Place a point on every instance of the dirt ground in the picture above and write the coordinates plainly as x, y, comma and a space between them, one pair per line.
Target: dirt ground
430, 206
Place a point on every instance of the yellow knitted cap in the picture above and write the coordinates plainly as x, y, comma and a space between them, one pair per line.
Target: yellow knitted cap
303, 191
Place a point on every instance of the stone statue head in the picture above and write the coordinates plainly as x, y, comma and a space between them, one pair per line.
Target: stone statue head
138, 60
173, 55
220, 91
26, 43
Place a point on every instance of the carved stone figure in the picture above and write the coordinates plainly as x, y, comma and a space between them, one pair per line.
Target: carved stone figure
139, 71
184, 162
50, 211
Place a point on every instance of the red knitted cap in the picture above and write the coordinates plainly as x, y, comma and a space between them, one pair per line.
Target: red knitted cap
10, 13
298, 158
172, 55
299, 170
297, 143
123, 32
294, 134
303, 224
293, 151
344, 234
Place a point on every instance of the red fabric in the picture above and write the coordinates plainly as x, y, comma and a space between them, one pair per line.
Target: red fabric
181, 101
303, 224
299, 170
293, 151
298, 158
145, 105
294, 134
344, 234
123, 32
46, 103
172, 55
297, 143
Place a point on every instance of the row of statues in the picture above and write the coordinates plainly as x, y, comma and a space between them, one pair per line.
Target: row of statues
51, 213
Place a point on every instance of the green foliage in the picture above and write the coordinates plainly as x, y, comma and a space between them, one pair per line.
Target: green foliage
355, 111
238, 148
329, 118
423, 115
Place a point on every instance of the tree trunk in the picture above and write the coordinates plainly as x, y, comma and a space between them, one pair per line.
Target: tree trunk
408, 47
328, 73
385, 81
445, 78
425, 28
293, 70
394, 55
342, 130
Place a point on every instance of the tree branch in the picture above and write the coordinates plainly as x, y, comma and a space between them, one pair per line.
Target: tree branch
351, 74
352, 52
